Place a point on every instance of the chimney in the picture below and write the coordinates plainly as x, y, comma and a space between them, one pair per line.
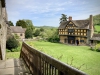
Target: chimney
91, 26
70, 18
91, 22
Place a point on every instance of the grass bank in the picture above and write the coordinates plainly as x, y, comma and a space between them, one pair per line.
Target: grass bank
77, 56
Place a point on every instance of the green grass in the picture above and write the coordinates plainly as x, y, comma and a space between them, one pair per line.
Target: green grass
80, 54
15, 53
97, 27
12, 55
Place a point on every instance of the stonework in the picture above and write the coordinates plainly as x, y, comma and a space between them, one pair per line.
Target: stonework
3, 29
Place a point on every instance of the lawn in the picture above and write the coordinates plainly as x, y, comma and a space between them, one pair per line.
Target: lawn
12, 55
97, 27
81, 55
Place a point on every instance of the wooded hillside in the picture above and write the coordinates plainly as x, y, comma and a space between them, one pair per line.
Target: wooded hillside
96, 19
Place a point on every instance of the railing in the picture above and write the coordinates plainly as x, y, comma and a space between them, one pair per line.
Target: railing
42, 64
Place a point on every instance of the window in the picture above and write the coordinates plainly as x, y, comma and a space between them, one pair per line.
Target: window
81, 33
78, 30
70, 25
81, 30
70, 30
75, 33
78, 33
21, 34
81, 40
84, 34
61, 32
84, 30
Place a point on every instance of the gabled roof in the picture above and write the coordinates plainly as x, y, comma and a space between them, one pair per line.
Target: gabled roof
96, 37
63, 24
81, 24
17, 29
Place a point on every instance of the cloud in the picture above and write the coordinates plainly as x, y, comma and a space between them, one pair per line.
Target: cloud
48, 12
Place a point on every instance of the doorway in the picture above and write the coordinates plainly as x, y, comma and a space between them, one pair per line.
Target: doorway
71, 39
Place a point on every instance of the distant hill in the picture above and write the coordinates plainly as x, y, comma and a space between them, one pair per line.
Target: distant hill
46, 27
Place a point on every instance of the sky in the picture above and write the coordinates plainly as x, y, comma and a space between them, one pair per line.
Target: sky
48, 12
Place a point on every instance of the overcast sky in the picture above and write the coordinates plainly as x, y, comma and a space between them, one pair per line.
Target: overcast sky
48, 12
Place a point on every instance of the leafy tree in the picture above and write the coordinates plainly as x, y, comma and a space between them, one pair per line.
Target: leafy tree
12, 43
21, 23
37, 32
41, 29
29, 24
10, 23
63, 18
28, 33
54, 37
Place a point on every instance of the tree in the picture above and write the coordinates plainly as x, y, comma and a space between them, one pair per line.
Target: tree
29, 24
21, 23
63, 18
37, 32
54, 37
41, 29
10, 23
28, 33
12, 43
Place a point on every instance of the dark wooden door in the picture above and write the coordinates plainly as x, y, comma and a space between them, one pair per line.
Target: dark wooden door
71, 39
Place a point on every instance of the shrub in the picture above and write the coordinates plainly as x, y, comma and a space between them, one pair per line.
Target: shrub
12, 43
98, 50
92, 48
98, 31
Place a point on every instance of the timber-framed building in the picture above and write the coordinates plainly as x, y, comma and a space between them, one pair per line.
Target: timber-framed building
72, 30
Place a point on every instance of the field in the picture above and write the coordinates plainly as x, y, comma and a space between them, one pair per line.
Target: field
77, 56
97, 27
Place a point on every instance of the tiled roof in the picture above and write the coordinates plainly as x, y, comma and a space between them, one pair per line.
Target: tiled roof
81, 24
63, 24
96, 37
17, 29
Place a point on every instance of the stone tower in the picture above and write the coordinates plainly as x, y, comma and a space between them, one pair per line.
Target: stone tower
3, 29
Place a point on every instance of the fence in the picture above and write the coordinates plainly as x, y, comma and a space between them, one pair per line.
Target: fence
42, 64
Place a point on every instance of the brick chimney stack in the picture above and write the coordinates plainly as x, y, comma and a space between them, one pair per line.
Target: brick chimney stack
70, 18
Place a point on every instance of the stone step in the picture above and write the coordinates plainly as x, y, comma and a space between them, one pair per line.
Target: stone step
13, 67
